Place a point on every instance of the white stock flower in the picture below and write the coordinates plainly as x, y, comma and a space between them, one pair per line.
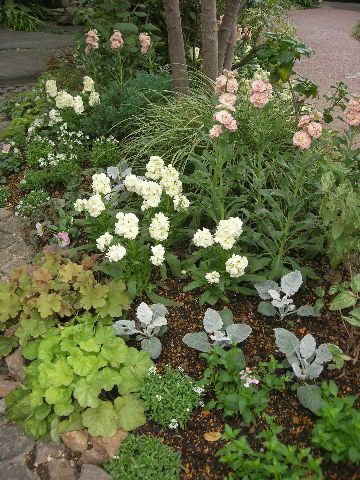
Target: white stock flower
133, 184
159, 227
203, 238
51, 88
78, 105
94, 99
127, 225
95, 206
181, 203
151, 193
158, 255
101, 183
154, 168
170, 181
115, 253
228, 231
64, 99
89, 84
80, 205
104, 241
213, 277
54, 117
236, 265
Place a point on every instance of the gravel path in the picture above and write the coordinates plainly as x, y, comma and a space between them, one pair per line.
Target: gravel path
327, 30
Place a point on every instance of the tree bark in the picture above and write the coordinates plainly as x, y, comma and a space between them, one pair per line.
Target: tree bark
176, 46
226, 28
209, 38
229, 56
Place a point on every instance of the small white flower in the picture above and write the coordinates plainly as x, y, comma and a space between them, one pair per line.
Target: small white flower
115, 253
203, 238
198, 390
101, 184
173, 424
213, 277
127, 225
152, 370
158, 255
158, 398
170, 181
51, 88
89, 84
159, 227
154, 168
95, 206
80, 205
104, 241
78, 105
181, 203
94, 99
236, 265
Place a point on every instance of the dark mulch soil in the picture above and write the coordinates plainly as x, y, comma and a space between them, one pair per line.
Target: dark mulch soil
198, 455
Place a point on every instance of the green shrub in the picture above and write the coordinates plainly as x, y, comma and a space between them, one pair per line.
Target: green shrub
306, 3
32, 206
66, 381
104, 153
65, 173
4, 196
142, 457
119, 103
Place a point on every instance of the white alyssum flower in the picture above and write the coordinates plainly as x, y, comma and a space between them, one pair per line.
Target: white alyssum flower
173, 424
159, 227
158, 255
203, 238
94, 99
170, 181
127, 225
78, 105
101, 183
158, 398
198, 390
154, 168
64, 99
80, 205
152, 370
181, 203
227, 232
116, 253
89, 84
95, 206
236, 265
213, 277
51, 88
54, 117
104, 241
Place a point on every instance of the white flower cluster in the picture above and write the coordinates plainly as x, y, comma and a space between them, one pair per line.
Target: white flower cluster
203, 238
101, 184
54, 117
95, 205
51, 160
158, 255
78, 105
226, 234
213, 277
116, 253
127, 225
94, 99
64, 99
236, 266
89, 85
51, 88
159, 227
173, 424
104, 241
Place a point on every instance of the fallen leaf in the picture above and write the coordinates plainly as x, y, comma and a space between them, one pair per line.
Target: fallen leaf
212, 436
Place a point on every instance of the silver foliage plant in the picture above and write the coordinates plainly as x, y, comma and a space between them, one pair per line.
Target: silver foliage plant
219, 329
276, 299
307, 362
151, 323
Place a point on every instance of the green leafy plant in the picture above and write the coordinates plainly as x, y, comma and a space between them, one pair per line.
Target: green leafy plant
144, 457
51, 291
10, 161
32, 206
275, 460
356, 31
347, 296
104, 152
18, 16
337, 431
75, 373
171, 397
4, 196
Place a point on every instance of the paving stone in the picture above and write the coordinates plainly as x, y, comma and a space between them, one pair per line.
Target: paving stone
2, 406
6, 386
61, 469
93, 456
92, 472
16, 469
46, 452
15, 364
77, 440
109, 444
5, 213
14, 443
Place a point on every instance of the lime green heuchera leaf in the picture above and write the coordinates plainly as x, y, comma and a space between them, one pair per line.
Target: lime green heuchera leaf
10, 302
55, 374
42, 411
87, 391
100, 421
34, 427
55, 395
7, 344
94, 296
49, 346
89, 345
114, 351
104, 334
84, 363
48, 303
117, 300
30, 350
108, 378
74, 422
130, 412
31, 327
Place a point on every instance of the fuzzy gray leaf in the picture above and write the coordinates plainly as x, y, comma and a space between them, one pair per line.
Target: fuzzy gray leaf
297, 370
238, 332
323, 354
263, 288
287, 342
159, 310
314, 370
152, 345
265, 308
308, 311
291, 282
144, 313
307, 346
197, 340
212, 321
227, 317
125, 327
310, 397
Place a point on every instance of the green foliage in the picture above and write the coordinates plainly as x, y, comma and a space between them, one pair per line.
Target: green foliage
240, 390
356, 31
53, 290
37, 148
144, 457
9, 162
274, 460
32, 206
347, 296
170, 398
18, 16
338, 429
65, 173
306, 3
104, 152
4, 196
72, 367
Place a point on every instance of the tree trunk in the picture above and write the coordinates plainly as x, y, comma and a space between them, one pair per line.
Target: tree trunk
226, 28
229, 56
176, 46
209, 38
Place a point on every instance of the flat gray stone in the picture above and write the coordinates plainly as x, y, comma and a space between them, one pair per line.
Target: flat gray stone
61, 470
14, 443
92, 472
15, 364
5, 213
16, 469
46, 452
10, 39
7, 386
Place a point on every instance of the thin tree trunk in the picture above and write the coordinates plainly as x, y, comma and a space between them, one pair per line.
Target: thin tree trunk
225, 30
209, 38
229, 56
176, 46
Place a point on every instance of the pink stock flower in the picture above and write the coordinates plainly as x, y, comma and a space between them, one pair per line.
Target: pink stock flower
353, 104
232, 85
258, 86
226, 119
302, 140
228, 101
215, 131
316, 116
145, 42
63, 239
116, 40
352, 118
314, 129
304, 120
92, 40
220, 84
6, 147
259, 99
231, 125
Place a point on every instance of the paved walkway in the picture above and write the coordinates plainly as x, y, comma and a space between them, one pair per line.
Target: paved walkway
327, 30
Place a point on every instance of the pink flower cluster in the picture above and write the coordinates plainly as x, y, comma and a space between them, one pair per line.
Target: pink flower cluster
248, 378
260, 90
352, 112
5, 148
311, 128
145, 42
226, 86
92, 40
116, 40
243, 33
63, 239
